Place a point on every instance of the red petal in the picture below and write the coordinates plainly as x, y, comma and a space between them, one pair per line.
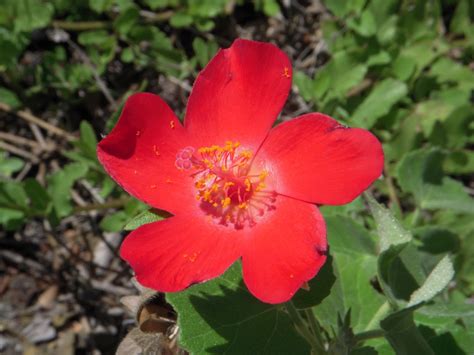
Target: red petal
140, 153
173, 254
239, 94
314, 158
285, 251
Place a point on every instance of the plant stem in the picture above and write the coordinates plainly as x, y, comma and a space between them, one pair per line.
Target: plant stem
81, 25
103, 206
381, 313
302, 328
416, 217
371, 334
315, 326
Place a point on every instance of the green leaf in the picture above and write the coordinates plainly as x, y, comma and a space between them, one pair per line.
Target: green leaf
459, 163
436, 281
337, 7
204, 50
420, 173
126, 20
40, 201
354, 265
319, 287
60, 184
87, 142
424, 52
349, 237
12, 194
389, 229
158, 4
448, 71
9, 97
100, 6
8, 166
352, 290
13, 205
403, 67
461, 21
403, 335
379, 102
437, 239
387, 29
400, 272
10, 218
304, 85
143, 218
114, 222
31, 14
342, 73
221, 316
271, 7
181, 19
365, 25
444, 314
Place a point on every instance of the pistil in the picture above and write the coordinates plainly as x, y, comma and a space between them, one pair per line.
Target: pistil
223, 185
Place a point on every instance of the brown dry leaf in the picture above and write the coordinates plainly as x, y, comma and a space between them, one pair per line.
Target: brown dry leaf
46, 298
153, 318
137, 342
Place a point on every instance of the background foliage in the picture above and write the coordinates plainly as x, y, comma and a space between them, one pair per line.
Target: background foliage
403, 69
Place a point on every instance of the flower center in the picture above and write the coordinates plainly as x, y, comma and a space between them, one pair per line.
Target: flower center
226, 189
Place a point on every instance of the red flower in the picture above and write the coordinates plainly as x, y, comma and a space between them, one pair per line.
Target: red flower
237, 188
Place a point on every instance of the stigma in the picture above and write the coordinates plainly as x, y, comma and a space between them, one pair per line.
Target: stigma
225, 189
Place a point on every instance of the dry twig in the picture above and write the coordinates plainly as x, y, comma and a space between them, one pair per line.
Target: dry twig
27, 116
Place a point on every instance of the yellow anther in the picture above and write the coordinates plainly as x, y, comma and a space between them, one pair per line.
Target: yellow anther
243, 205
246, 154
248, 184
225, 202
228, 184
206, 195
215, 204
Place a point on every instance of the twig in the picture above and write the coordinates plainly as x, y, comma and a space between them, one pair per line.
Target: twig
303, 329
392, 192
19, 140
183, 85
21, 260
150, 16
22, 174
112, 289
27, 116
18, 151
356, 90
370, 334
102, 206
77, 198
71, 253
81, 25
100, 83
92, 191
38, 135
